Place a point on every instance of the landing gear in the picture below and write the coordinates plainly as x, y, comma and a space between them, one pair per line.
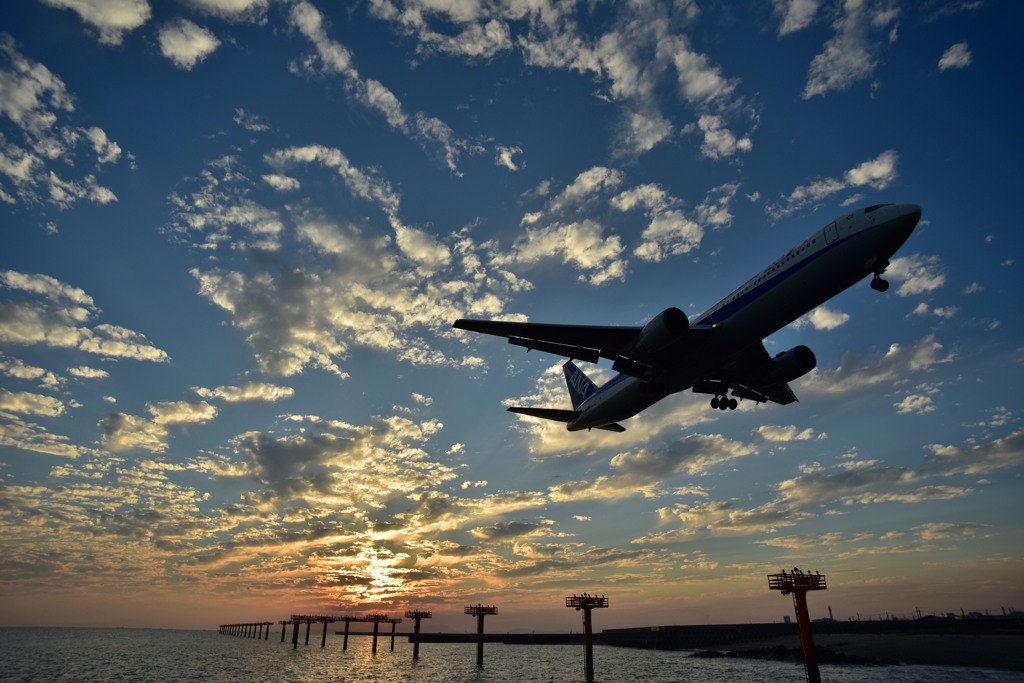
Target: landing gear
724, 403
878, 266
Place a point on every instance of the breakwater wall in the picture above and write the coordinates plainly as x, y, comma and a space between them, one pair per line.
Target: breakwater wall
727, 635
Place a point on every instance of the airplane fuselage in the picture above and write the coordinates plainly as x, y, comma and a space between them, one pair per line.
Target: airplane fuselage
829, 261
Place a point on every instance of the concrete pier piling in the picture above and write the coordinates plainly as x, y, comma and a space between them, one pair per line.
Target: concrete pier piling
798, 583
250, 630
417, 615
586, 603
480, 611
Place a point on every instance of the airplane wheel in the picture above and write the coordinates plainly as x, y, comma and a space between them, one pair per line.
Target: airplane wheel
733, 403
714, 402
879, 285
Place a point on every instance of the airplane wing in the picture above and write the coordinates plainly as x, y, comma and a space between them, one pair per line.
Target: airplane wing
583, 342
750, 377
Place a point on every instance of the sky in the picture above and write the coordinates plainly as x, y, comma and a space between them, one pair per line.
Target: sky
236, 233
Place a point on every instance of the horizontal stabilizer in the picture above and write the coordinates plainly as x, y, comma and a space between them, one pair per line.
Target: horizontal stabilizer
561, 415
556, 414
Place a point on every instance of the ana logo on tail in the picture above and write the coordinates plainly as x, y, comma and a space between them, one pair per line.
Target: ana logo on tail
580, 386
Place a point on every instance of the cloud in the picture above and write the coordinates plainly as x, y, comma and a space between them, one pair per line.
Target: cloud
111, 18
331, 460
877, 173
506, 531
915, 403
946, 530
374, 95
249, 391
917, 274
852, 54
185, 43
775, 433
123, 432
955, 57
181, 412
415, 243
719, 142
28, 436
828, 540
505, 157
28, 403
845, 482
644, 470
233, 9
796, 14
13, 367
581, 244
42, 147
857, 372
975, 459
638, 56
822, 318
54, 314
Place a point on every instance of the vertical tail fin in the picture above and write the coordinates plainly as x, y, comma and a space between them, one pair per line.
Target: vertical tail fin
580, 386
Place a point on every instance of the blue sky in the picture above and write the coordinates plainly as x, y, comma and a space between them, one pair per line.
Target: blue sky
236, 234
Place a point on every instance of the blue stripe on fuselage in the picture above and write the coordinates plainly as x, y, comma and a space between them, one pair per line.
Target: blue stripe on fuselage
743, 300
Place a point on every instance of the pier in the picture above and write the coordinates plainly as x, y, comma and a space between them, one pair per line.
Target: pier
416, 615
586, 603
798, 583
480, 611
253, 629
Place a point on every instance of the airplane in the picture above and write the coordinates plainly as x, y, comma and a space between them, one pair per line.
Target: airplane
721, 351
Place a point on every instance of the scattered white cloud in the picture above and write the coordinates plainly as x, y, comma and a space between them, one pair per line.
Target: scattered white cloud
249, 121
978, 458
917, 274
924, 310
633, 59
875, 173
506, 157
776, 433
14, 367
822, 318
249, 391
337, 59
28, 436
796, 15
916, 404
39, 152
28, 403
185, 43
123, 432
852, 54
955, 57
947, 530
112, 19
857, 372
181, 412
55, 315
250, 10
86, 372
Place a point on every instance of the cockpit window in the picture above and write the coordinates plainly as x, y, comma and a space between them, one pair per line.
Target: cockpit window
875, 207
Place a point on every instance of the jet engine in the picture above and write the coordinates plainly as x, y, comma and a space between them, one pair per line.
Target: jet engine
789, 365
662, 331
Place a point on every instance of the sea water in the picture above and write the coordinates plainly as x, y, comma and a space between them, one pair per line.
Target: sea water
161, 656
